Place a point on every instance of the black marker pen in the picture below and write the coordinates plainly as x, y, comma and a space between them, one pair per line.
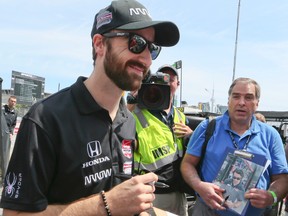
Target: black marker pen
123, 176
224, 200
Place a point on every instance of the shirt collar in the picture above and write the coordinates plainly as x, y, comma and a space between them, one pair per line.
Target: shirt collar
86, 103
253, 129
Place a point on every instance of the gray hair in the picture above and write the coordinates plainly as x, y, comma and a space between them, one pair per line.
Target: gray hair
248, 81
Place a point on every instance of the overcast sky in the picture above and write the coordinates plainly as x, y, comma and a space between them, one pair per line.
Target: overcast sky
51, 39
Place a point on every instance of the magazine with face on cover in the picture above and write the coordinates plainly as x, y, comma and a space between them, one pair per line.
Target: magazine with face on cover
239, 172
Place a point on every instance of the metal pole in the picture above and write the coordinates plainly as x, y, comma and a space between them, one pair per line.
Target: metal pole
212, 100
178, 65
236, 41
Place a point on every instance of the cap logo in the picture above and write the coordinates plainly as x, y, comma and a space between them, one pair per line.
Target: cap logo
104, 18
138, 11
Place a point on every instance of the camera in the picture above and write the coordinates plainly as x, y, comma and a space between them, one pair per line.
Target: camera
154, 93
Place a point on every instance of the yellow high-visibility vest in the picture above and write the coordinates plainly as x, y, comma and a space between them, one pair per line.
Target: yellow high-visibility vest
157, 146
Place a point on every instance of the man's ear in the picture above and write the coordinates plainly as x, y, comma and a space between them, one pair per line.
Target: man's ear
178, 83
98, 44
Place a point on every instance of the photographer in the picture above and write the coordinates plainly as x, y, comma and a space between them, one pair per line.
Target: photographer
160, 142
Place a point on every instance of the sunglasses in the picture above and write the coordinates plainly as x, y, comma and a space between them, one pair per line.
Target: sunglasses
136, 43
237, 178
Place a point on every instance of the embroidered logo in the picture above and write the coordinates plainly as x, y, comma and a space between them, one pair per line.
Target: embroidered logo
10, 189
94, 149
104, 19
126, 148
127, 167
139, 11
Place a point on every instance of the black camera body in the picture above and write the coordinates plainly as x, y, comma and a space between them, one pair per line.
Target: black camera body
154, 93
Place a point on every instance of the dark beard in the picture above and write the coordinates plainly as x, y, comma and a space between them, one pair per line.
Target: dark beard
116, 71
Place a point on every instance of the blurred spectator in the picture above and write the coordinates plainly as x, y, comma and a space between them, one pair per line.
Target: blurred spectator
260, 117
10, 114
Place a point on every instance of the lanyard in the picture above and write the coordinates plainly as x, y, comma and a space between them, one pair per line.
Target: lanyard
235, 143
168, 119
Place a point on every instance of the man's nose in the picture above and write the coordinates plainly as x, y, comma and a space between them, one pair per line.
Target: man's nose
242, 100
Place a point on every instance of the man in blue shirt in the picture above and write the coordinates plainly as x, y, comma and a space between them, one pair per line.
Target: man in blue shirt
237, 129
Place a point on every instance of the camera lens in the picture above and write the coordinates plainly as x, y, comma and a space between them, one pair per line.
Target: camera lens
153, 96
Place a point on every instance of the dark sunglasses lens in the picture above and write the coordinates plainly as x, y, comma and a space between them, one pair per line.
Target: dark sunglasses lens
154, 50
137, 44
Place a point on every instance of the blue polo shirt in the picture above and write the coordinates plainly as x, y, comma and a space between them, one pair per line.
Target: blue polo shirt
264, 140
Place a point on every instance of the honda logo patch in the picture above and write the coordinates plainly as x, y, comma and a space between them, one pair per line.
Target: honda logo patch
94, 149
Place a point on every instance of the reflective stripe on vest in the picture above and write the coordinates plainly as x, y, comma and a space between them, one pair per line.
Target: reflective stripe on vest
156, 165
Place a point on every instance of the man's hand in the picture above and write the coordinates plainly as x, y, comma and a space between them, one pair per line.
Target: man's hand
259, 198
158, 212
136, 192
211, 194
181, 130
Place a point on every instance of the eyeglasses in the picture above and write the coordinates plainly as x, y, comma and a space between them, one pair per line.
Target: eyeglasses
237, 178
136, 43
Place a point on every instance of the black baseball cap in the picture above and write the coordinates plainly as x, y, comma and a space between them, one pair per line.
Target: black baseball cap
168, 67
131, 15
